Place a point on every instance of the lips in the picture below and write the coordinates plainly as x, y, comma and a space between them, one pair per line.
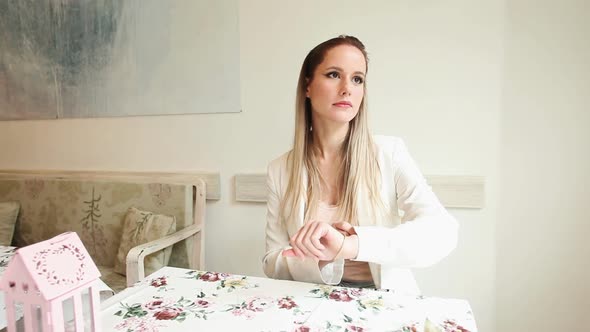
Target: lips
343, 104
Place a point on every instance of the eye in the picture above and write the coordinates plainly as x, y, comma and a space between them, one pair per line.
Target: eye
358, 80
333, 74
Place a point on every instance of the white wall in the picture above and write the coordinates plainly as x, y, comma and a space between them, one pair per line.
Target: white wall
543, 276
436, 78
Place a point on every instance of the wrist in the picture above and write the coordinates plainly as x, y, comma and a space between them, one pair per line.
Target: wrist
351, 247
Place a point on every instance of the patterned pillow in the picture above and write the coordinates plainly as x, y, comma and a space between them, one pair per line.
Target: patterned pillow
140, 227
8, 213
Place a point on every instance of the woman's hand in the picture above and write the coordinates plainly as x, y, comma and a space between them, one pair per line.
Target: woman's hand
345, 228
317, 240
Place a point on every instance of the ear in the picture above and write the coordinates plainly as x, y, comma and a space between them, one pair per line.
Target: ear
307, 87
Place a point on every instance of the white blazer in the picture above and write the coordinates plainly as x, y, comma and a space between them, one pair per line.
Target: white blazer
419, 235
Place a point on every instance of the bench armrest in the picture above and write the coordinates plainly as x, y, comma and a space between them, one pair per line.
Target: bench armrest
136, 256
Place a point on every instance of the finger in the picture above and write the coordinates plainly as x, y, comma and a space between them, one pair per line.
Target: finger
342, 232
346, 227
294, 247
309, 242
333, 240
342, 225
306, 240
298, 242
323, 237
315, 240
289, 253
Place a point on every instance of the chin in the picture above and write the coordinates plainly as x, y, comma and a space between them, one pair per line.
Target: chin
343, 116
337, 116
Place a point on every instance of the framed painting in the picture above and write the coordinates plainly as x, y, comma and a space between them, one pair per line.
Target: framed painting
106, 58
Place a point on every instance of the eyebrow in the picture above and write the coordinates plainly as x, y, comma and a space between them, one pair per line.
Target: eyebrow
340, 69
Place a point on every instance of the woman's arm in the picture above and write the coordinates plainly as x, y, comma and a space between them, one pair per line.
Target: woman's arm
428, 232
276, 265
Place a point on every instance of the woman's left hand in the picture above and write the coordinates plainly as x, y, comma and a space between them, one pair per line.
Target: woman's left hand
317, 240
344, 228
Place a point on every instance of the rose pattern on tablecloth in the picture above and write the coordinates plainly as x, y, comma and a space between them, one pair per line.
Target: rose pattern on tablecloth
345, 323
413, 327
207, 276
5, 257
221, 299
138, 324
371, 304
143, 316
348, 324
450, 325
340, 294
249, 308
288, 303
225, 281
161, 283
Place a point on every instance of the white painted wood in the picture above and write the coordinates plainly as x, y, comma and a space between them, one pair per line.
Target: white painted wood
250, 187
459, 191
136, 256
199, 212
212, 179
453, 191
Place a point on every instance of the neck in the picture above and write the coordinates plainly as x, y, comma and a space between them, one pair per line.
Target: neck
329, 139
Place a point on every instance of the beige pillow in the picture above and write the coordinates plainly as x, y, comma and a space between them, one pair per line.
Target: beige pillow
140, 227
8, 214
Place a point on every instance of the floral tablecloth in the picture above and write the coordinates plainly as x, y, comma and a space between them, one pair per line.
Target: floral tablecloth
6, 254
174, 299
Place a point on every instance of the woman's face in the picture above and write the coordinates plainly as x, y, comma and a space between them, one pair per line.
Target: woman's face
337, 87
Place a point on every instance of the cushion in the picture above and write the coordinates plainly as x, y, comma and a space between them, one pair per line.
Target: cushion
8, 213
140, 227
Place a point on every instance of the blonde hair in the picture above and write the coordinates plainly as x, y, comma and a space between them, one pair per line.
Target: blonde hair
359, 171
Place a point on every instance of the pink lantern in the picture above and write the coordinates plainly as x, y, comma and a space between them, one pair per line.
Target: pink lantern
44, 275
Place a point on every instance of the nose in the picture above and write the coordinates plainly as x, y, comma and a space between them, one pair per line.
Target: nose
345, 88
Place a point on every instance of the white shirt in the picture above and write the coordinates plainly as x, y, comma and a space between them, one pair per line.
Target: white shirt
392, 245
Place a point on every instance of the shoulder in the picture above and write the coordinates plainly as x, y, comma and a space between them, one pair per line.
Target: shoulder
278, 165
388, 145
277, 175
280, 161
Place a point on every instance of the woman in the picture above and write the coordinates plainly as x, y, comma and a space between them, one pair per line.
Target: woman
335, 197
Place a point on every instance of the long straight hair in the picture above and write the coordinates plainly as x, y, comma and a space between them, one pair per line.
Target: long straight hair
359, 171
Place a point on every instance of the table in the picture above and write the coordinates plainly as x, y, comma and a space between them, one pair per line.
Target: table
174, 299
6, 254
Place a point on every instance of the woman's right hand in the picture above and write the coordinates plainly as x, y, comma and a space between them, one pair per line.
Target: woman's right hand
317, 240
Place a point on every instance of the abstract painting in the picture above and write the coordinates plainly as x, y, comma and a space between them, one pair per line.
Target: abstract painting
106, 58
